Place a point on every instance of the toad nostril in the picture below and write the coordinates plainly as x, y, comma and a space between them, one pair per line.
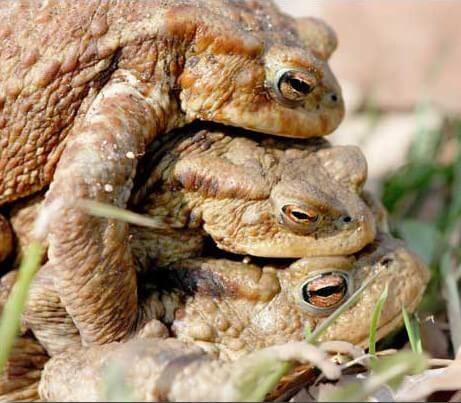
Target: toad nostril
331, 99
386, 261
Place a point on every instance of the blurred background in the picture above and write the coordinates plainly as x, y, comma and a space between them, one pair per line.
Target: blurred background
399, 64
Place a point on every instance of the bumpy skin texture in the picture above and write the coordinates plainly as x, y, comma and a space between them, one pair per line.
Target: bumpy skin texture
230, 309
102, 79
210, 183
46, 316
235, 189
233, 308
171, 371
222, 183
213, 59
219, 183
318, 36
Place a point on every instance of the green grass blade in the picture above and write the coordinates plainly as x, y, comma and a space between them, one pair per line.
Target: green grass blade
412, 328
307, 331
256, 390
453, 300
375, 320
14, 306
314, 336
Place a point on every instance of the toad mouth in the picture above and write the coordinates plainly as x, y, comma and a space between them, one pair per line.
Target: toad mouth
211, 250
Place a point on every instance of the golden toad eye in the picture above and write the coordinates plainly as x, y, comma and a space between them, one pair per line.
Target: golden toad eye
323, 293
299, 215
293, 86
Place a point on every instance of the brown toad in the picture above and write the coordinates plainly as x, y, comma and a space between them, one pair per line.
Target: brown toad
263, 197
230, 309
268, 198
87, 85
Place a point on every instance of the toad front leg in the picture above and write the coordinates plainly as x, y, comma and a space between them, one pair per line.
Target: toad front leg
96, 276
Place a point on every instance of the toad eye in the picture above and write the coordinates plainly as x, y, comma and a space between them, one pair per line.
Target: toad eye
299, 215
322, 293
293, 85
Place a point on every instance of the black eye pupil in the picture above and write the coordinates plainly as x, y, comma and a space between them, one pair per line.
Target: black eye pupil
299, 215
386, 261
347, 218
326, 291
300, 86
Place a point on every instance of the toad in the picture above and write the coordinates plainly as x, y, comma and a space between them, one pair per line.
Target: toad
232, 308
229, 309
268, 198
86, 86
197, 299
264, 197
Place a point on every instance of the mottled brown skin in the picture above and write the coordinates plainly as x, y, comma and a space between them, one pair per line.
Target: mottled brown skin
209, 183
56, 57
237, 190
338, 170
230, 309
223, 184
231, 188
87, 85
169, 370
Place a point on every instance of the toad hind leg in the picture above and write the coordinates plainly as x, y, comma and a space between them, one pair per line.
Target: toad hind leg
96, 279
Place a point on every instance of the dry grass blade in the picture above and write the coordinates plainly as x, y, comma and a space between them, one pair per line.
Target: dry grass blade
11, 316
434, 380
105, 210
256, 374
386, 371
343, 348
115, 387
